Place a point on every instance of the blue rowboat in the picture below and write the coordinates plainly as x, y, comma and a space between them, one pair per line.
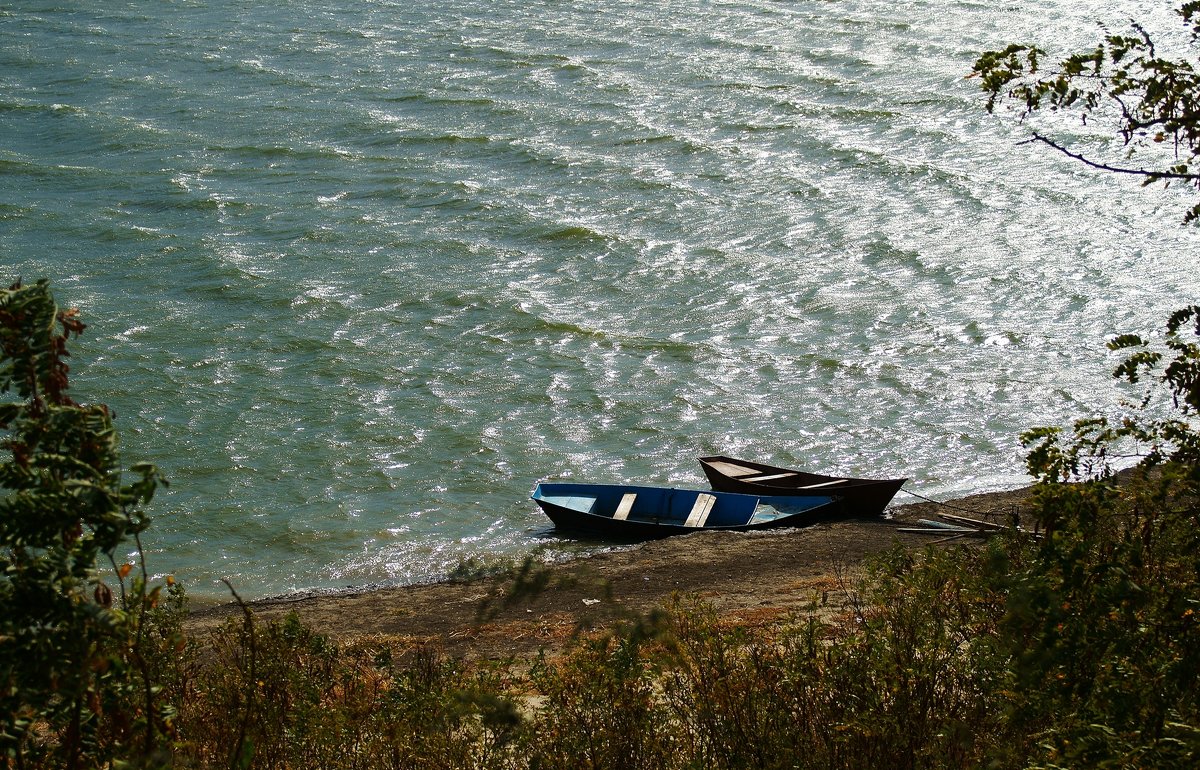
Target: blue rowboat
644, 512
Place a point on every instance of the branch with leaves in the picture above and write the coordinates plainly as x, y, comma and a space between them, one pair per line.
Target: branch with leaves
1154, 100
1162, 439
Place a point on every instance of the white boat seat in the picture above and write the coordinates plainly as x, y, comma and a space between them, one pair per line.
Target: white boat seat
824, 484
579, 503
736, 471
771, 476
625, 506
700, 510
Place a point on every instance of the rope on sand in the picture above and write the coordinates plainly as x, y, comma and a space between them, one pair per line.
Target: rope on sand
944, 504
962, 526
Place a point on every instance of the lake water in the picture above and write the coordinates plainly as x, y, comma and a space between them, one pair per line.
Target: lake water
358, 274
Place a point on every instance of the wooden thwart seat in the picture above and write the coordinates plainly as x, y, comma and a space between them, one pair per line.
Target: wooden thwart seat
736, 471
625, 506
771, 476
700, 510
824, 484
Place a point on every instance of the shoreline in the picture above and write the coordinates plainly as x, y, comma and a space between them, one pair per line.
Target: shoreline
750, 578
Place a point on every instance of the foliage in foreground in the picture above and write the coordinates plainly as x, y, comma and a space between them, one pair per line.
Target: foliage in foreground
1106, 616
679, 690
76, 686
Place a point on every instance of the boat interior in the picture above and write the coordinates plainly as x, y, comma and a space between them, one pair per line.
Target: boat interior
756, 475
678, 507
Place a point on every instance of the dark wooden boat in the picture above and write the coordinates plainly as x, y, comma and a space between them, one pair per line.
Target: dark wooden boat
857, 497
643, 512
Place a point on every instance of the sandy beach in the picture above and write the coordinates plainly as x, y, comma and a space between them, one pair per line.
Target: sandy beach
750, 578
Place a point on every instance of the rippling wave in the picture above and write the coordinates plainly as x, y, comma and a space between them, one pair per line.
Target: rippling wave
358, 275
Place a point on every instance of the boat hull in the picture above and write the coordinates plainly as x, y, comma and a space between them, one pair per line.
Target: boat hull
657, 512
856, 496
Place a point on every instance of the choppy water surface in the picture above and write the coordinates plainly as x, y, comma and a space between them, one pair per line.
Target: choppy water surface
358, 274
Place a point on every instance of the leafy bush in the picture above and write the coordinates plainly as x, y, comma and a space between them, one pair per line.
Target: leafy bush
601, 708
75, 686
1104, 621
280, 695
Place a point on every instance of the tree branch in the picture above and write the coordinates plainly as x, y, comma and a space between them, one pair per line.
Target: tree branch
1105, 167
